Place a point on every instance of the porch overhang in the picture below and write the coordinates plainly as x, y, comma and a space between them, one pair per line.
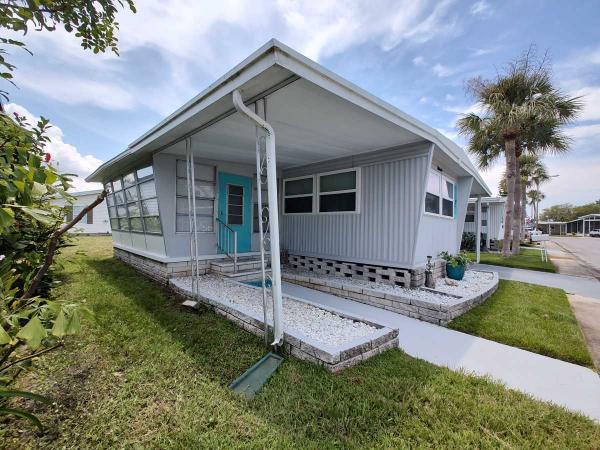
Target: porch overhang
316, 115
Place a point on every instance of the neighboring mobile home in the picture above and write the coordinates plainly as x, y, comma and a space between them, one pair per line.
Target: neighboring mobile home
359, 181
95, 221
492, 220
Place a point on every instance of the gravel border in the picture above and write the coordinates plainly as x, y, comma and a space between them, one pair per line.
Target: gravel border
317, 323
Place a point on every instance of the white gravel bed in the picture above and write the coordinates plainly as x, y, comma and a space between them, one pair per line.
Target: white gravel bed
316, 323
411, 293
473, 283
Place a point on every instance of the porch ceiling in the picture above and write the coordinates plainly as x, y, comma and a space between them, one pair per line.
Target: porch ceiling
311, 124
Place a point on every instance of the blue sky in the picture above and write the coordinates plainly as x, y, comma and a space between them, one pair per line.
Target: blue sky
415, 55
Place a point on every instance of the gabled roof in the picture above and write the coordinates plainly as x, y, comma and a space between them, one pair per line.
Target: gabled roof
271, 67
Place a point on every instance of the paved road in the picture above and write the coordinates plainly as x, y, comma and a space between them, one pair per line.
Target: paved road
588, 287
585, 249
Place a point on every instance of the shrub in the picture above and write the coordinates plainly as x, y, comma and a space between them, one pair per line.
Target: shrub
468, 241
460, 259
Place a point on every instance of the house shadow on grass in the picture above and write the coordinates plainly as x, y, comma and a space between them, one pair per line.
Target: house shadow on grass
390, 400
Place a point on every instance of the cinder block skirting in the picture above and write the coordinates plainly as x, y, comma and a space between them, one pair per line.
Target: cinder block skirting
437, 313
296, 344
158, 271
389, 275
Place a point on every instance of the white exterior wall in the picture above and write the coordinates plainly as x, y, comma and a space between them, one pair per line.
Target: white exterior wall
178, 243
100, 221
494, 217
384, 230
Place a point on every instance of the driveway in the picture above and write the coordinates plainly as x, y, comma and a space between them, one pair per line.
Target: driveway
585, 250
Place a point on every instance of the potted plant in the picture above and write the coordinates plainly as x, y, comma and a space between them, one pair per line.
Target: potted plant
455, 264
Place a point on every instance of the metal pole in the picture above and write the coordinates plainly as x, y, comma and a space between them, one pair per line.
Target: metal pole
260, 231
273, 214
193, 176
189, 198
478, 229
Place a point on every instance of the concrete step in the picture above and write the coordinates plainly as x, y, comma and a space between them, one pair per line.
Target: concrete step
227, 266
244, 275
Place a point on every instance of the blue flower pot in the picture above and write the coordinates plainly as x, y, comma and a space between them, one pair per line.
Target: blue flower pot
456, 273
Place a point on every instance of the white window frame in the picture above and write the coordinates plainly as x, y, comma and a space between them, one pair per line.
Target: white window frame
356, 190
316, 194
312, 195
443, 178
215, 199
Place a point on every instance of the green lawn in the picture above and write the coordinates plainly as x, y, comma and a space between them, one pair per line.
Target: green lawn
148, 374
528, 259
531, 317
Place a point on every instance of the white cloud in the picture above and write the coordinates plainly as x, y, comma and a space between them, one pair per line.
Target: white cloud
442, 71
476, 108
581, 132
450, 97
481, 8
64, 155
424, 99
418, 61
184, 35
450, 134
483, 51
591, 102
74, 90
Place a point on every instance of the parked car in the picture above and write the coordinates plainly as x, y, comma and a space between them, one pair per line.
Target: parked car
595, 233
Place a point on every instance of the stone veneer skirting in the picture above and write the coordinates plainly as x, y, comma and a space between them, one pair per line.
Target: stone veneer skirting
439, 314
296, 344
367, 272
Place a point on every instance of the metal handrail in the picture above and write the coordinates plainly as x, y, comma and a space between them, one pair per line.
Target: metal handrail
224, 241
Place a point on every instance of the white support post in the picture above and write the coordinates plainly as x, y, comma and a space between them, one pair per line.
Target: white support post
487, 231
478, 229
273, 213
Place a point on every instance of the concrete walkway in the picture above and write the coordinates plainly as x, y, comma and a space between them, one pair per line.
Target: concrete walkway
562, 383
587, 312
588, 287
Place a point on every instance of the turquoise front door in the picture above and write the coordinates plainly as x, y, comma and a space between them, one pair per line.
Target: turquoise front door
235, 209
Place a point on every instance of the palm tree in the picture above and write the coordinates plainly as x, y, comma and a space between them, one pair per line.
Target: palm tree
535, 197
521, 112
540, 175
533, 171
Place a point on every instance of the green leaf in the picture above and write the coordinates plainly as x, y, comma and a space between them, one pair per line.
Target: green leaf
74, 323
7, 217
61, 325
34, 332
20, 185
39, 189
23, 414
25, 394
51, 176
4, 337
39, 214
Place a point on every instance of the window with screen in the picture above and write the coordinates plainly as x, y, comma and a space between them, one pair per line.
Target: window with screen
338, 191
439, 195
132, 202
470, 217
205, 187
298, 195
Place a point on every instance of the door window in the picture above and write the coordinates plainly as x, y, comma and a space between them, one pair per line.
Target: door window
235, 204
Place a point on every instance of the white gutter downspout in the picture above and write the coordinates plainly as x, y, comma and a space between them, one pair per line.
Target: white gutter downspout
273, 212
